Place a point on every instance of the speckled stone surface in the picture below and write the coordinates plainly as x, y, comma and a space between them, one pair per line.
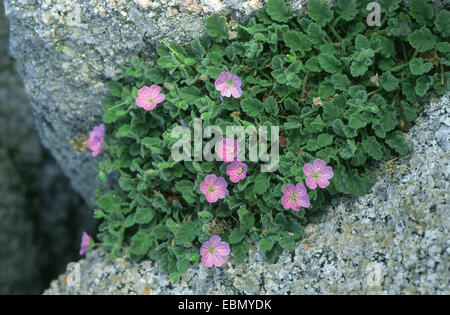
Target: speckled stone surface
394, 240
67, 50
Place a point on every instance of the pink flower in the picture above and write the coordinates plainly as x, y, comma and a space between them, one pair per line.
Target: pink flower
149, 97
214, 251
237, 170
96, 140
295, 197
228, 150
228, 84
317, 174
214, 188
85, 243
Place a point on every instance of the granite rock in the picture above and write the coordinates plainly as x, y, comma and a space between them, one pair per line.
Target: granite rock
394, 240
41, 216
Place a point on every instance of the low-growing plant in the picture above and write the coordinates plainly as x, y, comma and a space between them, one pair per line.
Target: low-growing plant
341, 92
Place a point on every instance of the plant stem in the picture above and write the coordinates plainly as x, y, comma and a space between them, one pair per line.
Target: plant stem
333, 30
118, 105
373, 92
305, 79
286, 95
396, 68
336, 21
405, 56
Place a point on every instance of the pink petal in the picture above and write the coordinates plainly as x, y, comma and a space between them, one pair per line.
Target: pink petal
289, 190
304, 201
219, 260
327, 172
323, 182
154, 90
311, 182
308, 169
205, 248
236, 91
215, 240
226, 91
144, 92
208, 260
160, 98
319, 164
211, 197
142, 101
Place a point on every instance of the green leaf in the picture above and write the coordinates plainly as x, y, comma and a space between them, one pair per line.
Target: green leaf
115, 88
271, 106
140, 243
296, 41
423, 83
252, 106
326, 89
422, 39
346, 9
287, 243
205, 214
315, 34
174, 277
389, 6
187, 190
266, 244
396, 140
372, 147
236, 236
190, 94
329, 63
418, 66
388, 81
319, 11
442, 23
144, 215
361, 42
240, 251
216, 27
421, 11
278, 10
348, 150
340, 81
261, 183
185, 233
312, 64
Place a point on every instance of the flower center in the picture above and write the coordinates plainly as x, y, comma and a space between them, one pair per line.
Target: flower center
229, 82
315, 175
212, 249
293, 197
151, 100
211, 189
240, 170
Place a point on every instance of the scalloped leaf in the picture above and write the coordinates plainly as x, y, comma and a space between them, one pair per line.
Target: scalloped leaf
422, 39
442, 23
319, 11
418, 66
216, 27
396, 140
421, 11
373, 148
278, 10
329, 63
346, 9
297, 41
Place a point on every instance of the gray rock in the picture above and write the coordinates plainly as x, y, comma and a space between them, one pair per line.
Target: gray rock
394, 240
67, 50
41, 217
